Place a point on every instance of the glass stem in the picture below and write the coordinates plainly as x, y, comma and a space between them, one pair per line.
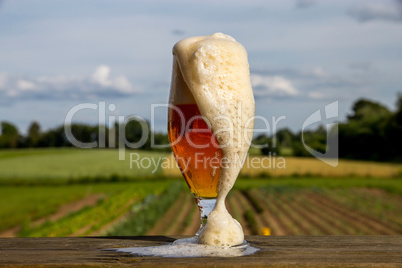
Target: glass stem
205, 206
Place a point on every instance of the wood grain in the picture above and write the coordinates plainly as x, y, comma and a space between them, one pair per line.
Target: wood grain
275, 251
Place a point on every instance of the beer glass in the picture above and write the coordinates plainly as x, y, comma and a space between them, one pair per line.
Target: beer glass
193, 144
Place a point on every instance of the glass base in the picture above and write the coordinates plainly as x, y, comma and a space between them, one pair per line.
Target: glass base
194, 241
190, 240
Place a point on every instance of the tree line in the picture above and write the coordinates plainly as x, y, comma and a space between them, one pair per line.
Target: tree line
370, 132
108, 137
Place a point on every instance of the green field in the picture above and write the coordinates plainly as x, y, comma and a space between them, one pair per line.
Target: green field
66, 192
77, 164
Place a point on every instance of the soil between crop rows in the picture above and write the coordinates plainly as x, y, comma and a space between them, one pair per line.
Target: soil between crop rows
272, 212
299, 213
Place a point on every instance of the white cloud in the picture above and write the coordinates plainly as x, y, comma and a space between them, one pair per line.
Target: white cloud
123, 84
25, 85
120, 83
313, 83
101, 75
99, 84
380, 10
272, 86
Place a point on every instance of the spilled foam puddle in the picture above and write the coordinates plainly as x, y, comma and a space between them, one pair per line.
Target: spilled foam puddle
186, 249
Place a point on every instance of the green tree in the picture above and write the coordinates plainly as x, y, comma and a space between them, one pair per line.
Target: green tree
368, 112
9, 137
315, 139
285, 137
363, 136
162, 139
53, 138
136, 131
33, 134
393, 132
267, 144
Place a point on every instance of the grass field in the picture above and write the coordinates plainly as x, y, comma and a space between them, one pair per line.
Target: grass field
76, 164
71, 164
84, 192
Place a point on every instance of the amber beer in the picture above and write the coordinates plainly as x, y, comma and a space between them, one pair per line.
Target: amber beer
196, 150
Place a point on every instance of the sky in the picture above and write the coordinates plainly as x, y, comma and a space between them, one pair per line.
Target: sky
115, 56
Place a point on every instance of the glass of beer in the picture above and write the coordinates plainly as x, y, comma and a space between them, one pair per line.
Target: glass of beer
193, 144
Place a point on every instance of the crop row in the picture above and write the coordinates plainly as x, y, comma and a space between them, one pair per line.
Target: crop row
311, 212
153, 208
292, 211
91, 219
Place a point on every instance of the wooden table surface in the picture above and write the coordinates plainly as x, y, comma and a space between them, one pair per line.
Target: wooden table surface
275, 251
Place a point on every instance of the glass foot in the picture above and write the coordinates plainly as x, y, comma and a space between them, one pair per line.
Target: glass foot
191, 240
194, 241
242, 245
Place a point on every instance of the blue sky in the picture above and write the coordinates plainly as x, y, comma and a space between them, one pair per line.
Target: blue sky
303, 55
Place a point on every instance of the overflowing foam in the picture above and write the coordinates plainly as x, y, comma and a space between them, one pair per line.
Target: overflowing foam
215, 70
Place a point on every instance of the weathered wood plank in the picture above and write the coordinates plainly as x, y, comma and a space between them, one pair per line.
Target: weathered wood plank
276, 251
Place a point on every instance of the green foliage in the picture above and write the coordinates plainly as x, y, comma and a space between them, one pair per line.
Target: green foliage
368, 111
268, 145
145, 214
299, 150
393, 131
137, 131
33, 135
162, 139
9, 137
363, 136
53, 138
285, 137
21, 205
24, 204
91, 219
134, 133
314, 139
371, 132
252, 222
